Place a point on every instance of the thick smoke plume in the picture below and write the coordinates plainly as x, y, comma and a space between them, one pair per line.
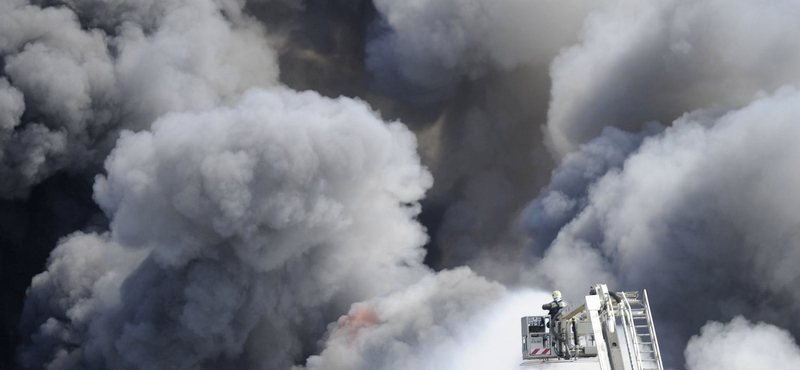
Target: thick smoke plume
253, 225
238, 222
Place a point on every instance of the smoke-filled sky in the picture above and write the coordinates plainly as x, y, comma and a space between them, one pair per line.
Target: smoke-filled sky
354, 184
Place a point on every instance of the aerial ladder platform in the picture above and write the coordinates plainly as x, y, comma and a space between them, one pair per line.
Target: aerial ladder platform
614, 328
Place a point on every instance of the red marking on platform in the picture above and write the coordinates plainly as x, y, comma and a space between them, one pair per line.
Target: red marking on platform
535, 351
545, 351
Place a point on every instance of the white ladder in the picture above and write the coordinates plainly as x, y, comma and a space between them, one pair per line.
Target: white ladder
640, 331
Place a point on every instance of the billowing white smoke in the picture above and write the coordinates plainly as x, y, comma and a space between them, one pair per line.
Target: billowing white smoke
428, 46
655, 60
136, 61
453, 320
255, 226
742, 345
702, 214
411, 328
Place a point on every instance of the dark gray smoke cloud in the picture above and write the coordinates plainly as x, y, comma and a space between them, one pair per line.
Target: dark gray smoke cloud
486, 67
569, 187
482, 154
425, 48
701, 214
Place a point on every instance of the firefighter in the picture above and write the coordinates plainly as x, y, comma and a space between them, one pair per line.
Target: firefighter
555, 306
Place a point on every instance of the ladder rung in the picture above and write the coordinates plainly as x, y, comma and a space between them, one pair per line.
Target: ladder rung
641, 326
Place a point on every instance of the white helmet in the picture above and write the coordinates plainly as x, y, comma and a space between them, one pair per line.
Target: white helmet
556, 295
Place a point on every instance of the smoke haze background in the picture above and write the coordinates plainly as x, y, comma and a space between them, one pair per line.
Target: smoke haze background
189, 189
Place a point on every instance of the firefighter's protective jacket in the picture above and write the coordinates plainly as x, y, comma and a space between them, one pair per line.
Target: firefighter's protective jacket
554, 307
